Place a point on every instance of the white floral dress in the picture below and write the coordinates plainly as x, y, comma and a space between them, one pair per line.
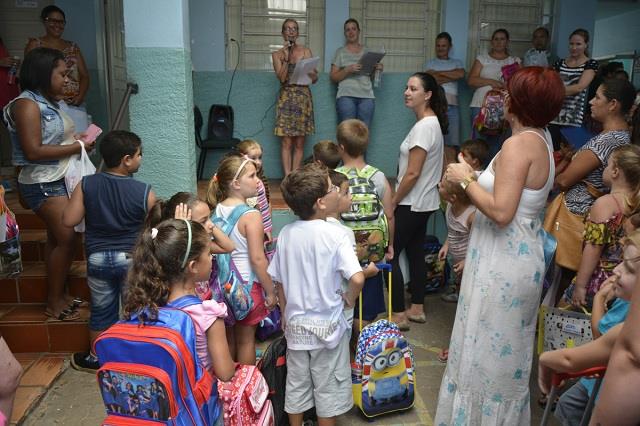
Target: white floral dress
486, 381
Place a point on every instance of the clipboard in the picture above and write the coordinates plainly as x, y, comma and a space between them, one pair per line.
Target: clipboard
300, 75
368, 61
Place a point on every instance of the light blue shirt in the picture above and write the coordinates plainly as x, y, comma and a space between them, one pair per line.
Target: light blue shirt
450, 88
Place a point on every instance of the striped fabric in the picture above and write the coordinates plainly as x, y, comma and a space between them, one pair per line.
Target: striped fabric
572, 112
264, 208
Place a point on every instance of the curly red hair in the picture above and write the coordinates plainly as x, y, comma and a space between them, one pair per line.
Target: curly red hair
536, 95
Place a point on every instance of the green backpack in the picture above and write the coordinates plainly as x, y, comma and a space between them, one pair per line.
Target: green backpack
366, 218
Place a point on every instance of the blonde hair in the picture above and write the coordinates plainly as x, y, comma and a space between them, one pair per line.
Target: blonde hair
243, 148
353, 135
627, 159
219, 183
455, 189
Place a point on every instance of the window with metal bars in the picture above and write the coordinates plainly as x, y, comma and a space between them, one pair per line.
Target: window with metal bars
256, 25
405, 29
519, 17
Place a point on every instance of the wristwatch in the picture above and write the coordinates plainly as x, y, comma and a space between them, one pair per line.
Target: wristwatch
466, 181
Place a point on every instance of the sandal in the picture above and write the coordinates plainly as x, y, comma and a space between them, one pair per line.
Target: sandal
443, 355
78, 303
64, 315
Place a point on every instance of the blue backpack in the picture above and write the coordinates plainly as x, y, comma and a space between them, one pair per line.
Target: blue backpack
151, 372
227, 282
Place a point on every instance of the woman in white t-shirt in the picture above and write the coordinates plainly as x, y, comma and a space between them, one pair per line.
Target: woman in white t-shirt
486, 74
419, 171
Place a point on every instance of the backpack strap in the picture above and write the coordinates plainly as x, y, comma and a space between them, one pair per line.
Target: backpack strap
227, 225
184, 301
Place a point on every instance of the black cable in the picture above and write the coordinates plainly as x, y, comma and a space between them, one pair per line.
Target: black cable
234, 68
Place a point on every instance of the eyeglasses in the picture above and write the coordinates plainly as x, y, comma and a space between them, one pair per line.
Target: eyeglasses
291, 30
55, 21
332, 188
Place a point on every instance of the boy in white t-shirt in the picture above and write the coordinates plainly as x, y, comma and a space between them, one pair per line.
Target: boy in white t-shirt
309, 264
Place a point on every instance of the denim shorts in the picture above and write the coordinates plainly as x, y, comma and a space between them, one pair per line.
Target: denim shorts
106, 273
35, 194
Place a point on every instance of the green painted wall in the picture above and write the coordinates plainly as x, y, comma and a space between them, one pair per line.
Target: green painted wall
161, 114
253, 97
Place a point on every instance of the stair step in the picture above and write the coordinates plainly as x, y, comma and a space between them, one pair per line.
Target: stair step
26, 328
33, 244
31, 285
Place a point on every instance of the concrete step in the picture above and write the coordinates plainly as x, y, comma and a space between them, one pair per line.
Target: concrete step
31, 285
26, 328
33, 245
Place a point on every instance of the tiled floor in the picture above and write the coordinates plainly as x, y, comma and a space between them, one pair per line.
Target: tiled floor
40, 370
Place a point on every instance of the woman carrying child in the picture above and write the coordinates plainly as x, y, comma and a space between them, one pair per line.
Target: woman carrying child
604, 225
235, 181
168, 261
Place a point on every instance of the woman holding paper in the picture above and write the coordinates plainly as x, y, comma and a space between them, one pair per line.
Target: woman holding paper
294, 110
355, 97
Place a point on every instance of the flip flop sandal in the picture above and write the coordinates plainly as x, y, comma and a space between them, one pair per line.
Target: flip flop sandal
64, 315
78, 303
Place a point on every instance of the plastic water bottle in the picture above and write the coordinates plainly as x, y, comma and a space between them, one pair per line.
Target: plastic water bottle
11, 76
377, 74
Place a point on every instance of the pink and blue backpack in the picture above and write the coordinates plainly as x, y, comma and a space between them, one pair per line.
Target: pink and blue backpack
150, 374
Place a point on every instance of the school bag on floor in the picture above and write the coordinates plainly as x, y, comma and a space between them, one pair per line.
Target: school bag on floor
245, 398
273, 366
151, 372
382, 375
366, 218
226, 279
437, 270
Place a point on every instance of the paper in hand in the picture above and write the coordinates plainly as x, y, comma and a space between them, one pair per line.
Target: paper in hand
368, 61
300, 75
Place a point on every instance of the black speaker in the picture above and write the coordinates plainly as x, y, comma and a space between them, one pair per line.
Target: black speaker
220, 126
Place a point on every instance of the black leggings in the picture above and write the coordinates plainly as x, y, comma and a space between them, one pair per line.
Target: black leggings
410, 230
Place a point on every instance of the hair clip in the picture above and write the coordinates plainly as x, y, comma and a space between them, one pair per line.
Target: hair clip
154, 233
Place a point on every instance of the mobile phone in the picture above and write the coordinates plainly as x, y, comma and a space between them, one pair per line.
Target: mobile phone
92, 133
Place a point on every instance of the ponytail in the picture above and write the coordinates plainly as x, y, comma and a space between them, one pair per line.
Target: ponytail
219, 183
627, 159
438, 100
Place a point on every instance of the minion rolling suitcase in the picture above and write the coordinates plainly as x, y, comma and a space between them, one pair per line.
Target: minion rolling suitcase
382, 374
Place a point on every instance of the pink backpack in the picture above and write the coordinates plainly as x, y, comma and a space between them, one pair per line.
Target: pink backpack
245, 398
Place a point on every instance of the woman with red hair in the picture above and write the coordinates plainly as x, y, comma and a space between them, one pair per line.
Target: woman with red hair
487, 375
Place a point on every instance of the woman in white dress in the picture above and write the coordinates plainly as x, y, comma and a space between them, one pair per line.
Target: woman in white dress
487, 377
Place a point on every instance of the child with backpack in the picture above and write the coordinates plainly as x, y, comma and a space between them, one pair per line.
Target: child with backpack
161, 307
309, 264
113, 206
371, 214
236, 180
251, 149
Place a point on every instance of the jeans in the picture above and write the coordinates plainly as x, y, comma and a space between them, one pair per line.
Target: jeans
494, 142
361, 108
35, 194
106, 273
453, 137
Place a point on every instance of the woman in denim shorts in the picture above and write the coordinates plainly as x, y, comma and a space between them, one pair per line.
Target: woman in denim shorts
43, 139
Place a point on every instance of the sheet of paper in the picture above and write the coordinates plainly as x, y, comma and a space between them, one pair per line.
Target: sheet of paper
369, 61
303, 68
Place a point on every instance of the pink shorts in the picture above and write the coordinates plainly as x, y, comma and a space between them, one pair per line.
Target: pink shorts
259, 310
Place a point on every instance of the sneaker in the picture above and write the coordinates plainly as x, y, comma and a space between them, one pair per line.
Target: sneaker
450, 296
84, 361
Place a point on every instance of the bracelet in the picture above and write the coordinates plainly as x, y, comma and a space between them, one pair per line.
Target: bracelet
467, 180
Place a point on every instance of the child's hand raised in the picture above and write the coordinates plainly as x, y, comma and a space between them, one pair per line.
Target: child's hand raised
182, 212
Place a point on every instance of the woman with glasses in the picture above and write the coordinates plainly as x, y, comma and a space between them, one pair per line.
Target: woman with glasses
75, 90
294, 110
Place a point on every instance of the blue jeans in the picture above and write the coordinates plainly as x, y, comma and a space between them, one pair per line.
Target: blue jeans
494, 142
106, 273
361, 108
453, 137
35, 194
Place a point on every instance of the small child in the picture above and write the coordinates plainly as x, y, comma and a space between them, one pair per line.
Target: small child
251, 149
114, 206
353, 140
344, 205
610, 309
604, 229
310, 262
235, 181
326, 153
167, 262
475, 153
